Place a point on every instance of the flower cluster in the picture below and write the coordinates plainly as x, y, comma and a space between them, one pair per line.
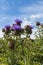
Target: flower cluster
17, 29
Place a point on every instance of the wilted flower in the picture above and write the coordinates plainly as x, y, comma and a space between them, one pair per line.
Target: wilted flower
11, 44
28, 29
18, 22
37, 23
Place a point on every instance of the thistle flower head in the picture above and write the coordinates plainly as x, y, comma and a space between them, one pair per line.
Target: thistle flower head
16, 27
28, 29
37, 23
7, 29
7, 26
18, 22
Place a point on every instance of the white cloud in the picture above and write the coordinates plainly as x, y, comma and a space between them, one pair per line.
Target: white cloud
26, 22
36, 16
32, 12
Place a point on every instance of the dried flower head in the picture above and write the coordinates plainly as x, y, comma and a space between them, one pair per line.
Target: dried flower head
3, 29
37, 23
28, 29
11, 44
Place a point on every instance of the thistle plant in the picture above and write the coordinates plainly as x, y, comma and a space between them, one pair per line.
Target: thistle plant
17, 50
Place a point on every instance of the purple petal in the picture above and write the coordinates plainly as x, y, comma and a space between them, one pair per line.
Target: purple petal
7, 26
16, 27
18, 21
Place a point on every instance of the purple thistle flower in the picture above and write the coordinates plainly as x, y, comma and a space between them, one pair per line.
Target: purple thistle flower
16, 27
18, 22
7, 26
7, 29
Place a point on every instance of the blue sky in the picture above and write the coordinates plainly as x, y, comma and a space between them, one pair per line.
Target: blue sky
29, 11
